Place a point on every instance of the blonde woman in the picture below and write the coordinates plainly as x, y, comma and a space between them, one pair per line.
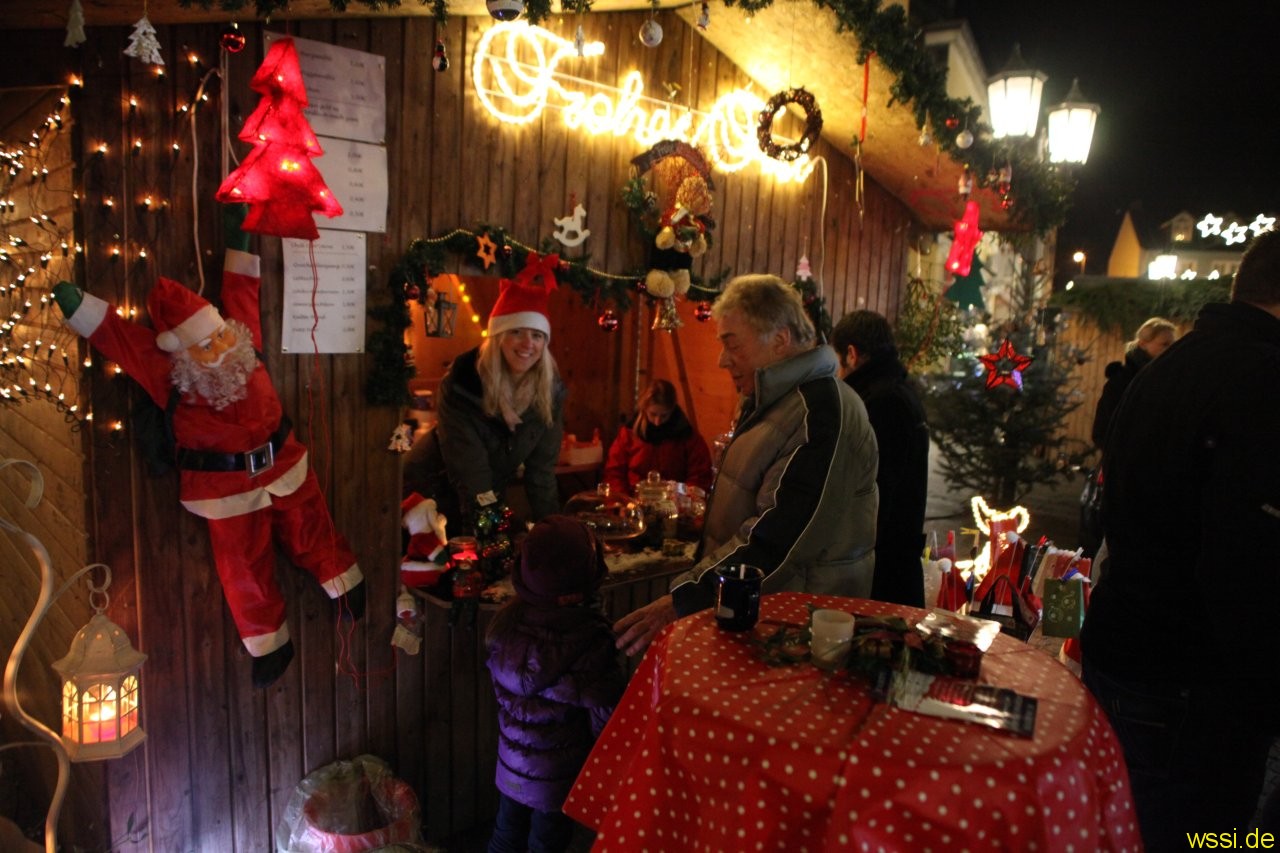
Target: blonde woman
500, 407
1153, 337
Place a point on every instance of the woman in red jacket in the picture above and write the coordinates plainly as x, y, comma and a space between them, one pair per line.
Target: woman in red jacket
662, 440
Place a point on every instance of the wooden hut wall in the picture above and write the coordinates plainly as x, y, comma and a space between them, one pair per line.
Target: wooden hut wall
221, 759
38, 427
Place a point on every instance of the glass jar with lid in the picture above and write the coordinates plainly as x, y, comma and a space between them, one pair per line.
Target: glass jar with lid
614, 517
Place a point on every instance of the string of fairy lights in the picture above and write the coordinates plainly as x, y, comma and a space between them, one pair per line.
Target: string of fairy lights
38, 200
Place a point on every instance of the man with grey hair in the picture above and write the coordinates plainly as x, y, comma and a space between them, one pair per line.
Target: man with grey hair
795, 492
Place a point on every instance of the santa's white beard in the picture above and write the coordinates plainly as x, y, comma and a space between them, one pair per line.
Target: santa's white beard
222, 384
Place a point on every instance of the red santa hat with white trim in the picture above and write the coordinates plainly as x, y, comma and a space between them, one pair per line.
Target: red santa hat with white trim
182, 317
522, 302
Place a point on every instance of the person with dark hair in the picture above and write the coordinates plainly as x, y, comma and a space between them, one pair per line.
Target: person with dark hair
660, 439
1178, 644
863, 341
556, 677
795, 492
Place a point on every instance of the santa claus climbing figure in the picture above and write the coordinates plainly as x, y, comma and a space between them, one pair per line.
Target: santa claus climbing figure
242, 469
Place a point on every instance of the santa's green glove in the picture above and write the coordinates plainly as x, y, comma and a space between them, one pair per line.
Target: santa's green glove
68, 297
232, 220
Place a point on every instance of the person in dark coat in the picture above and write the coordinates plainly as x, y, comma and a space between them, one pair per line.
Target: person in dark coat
557, 678
1153, 337
500, 407
662, 440
869, 364
1179, 644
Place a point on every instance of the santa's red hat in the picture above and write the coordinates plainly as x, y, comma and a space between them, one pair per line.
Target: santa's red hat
182, 317
522, 302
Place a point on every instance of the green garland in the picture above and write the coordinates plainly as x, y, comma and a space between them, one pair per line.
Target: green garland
388, 381
1122, 305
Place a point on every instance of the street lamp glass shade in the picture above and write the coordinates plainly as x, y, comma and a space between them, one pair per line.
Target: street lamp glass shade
1013, 96
100, 692
1071, 126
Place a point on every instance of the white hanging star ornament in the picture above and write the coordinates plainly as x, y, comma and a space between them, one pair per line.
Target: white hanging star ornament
143, 44
75, 25
1261, 224
569, 229
1210, 225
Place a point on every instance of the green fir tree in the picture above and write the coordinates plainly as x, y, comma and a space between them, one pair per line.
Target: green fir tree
1000, 441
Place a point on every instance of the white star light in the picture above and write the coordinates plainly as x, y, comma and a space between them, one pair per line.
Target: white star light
1234, 233
1210, 225
1187, 275
1261, 224
1213, 276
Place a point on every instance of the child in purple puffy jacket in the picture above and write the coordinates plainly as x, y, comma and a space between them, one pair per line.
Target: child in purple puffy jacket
557, 678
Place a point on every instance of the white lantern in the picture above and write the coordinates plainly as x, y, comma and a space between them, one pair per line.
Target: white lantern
100, 692
1071, 128
1013, 96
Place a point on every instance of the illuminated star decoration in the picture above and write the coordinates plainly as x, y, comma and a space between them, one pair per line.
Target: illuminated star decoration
967, 235
1261, 224
1210, 225
1234, 233
485, 249
1005, 366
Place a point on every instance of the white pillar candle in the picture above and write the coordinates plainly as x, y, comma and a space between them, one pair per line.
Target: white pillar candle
831, 630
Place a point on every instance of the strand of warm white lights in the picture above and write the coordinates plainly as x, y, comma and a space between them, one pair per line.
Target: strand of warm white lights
516, 90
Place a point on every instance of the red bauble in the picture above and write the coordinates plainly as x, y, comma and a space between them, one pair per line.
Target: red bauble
608, 320
564, 266
232, 39
702, 312
952, 122
411, 291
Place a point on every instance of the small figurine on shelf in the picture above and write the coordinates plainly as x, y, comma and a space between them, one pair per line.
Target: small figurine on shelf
467, 581
424, 562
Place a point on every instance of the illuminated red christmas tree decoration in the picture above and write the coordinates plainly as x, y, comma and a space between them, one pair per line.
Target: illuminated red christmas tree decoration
278, 180
967, 235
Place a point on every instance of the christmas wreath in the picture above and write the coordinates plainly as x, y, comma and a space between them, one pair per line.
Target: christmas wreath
812, 124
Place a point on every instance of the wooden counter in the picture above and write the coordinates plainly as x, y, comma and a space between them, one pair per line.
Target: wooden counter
461, 730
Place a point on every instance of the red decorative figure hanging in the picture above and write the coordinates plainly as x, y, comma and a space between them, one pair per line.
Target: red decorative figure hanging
967, 235
1005, 366
277, 179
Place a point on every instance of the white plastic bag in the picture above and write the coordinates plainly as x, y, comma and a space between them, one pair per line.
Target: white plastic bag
349, 807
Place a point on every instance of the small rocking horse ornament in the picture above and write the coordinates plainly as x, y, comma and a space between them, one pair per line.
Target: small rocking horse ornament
569, 229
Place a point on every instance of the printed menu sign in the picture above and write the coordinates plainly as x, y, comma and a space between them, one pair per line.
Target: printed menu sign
324, 302
346, 90
356, 173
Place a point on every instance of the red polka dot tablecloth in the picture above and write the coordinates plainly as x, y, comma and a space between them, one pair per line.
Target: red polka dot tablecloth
710, 749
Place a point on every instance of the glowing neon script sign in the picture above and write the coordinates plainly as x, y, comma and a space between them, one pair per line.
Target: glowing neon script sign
515, 77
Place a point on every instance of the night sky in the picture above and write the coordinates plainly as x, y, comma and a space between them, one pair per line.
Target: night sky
1189, 96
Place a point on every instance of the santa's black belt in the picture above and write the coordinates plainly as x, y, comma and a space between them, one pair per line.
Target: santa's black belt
254, 461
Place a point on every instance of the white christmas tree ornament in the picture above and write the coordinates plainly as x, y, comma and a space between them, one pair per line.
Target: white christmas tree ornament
75, 25
143, 44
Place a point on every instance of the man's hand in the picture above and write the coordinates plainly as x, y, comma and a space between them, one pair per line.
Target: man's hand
68, 297
637, 629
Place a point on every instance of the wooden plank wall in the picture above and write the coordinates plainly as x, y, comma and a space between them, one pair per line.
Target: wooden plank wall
221, 759
36, 427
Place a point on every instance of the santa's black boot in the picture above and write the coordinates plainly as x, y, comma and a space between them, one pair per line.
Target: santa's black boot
351, 604
271, 666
